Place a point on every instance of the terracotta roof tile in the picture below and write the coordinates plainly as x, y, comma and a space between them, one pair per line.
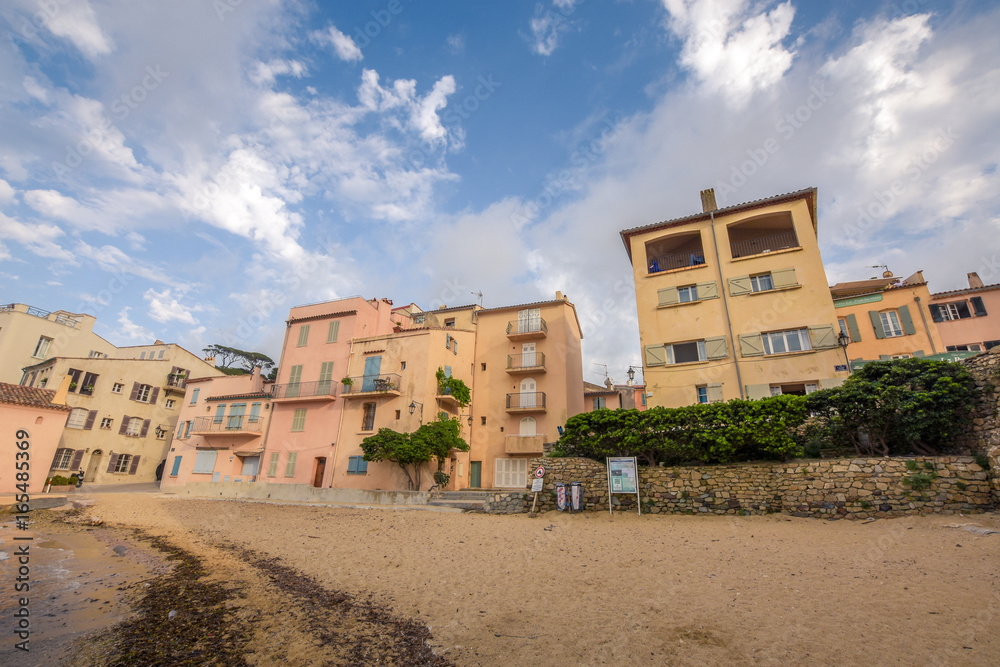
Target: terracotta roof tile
34, 397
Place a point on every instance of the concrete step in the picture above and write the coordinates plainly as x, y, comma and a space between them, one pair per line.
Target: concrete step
468, 505
461, 495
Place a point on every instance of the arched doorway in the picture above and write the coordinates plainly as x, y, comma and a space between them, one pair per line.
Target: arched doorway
92, 465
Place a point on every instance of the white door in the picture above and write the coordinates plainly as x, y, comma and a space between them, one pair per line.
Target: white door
510, 473
527, 393
528, 427
528, 355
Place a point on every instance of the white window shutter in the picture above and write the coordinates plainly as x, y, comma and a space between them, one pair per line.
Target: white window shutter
740, 285
783, 278
716, 348
715, 393
752, 345
709, 290
668, 296
755, 391
655, 355
823, 336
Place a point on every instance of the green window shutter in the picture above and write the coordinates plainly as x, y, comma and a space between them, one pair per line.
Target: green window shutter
756, 391
852, 328
668, 296
906, 321
299, 420
978, 307
823, 336
656, 355
303, 335
783, 278
740, 285
716, 348
331, 333
877, 323
295, 374
290, 464
715, 393
752, 345
709, 290
326, 372
919, 353
272, 467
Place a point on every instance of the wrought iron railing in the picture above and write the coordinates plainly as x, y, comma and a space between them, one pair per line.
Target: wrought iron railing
368, 384
676, 260
250, 423
747, 247
305, 389
526, 400
525, 361
530, 325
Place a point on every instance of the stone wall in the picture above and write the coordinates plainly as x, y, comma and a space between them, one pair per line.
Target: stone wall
844, 488
983, 433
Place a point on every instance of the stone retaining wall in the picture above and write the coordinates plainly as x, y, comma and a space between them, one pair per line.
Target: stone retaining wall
983, 433
838, 488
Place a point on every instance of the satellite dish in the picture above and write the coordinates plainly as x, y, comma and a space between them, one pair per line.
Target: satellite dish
887, 274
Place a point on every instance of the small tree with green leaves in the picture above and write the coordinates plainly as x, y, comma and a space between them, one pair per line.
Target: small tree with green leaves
412, 451
453, 387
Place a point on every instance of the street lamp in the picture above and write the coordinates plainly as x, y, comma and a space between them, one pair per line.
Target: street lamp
843, 340
413, 407
631, 375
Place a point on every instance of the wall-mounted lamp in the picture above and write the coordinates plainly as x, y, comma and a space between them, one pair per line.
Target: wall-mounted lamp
413, 408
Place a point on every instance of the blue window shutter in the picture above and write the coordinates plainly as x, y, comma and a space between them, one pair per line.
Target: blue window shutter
352, 464
362, 464
194, 395
447, 371
177, 466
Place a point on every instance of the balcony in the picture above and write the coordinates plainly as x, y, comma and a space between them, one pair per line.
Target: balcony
323, 390
525, 329
529, 362
532, 401
762, 244
676, 260
387, 384
176, 383
233, 425
524, 444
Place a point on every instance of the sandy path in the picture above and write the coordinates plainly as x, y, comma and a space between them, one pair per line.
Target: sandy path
589, 589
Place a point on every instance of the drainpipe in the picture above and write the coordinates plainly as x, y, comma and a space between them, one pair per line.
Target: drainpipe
267, 431
926, 326
340, 426
725, 302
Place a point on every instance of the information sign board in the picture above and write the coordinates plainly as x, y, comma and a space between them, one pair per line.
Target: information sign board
623, 477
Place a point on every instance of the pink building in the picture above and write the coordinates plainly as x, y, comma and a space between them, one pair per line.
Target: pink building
219, 436
968, 319
36, 417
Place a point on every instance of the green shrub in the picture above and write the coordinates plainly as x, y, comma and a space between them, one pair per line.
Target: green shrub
919, 481
911, 465
59, 480
982, 461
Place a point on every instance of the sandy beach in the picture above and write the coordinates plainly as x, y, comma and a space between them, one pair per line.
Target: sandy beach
318, 585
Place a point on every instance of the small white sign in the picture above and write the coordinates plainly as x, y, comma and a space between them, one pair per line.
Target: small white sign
536, 485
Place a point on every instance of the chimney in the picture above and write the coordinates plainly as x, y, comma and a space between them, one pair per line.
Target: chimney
210, 361
975, 280
708, 201
559, 295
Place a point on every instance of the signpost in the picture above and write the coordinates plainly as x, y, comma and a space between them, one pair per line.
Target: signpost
623, 477
536, 487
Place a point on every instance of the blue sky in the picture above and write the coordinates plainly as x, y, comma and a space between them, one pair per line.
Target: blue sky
190, 170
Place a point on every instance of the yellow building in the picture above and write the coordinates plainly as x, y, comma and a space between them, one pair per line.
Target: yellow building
29, 335
124, 409
734, 302
886, 318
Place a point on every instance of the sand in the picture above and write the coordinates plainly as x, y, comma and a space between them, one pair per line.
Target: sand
591, 589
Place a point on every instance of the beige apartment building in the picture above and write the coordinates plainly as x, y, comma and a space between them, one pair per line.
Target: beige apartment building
29, 335
124, 409
734, 302
968, 319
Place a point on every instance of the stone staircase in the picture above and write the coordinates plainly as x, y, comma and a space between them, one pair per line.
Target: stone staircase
470, 501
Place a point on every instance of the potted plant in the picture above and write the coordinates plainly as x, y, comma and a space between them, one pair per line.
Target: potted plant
347, 382
89, 388
72, 386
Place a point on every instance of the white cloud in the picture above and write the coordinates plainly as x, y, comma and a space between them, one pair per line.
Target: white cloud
76, 22
732, 49
423, 116
266, 73
129, 330
35, 89
7, 192
547, 27
342, 44
41, 239
164, 307
455, 44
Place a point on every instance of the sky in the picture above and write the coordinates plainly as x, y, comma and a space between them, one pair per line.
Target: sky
188, 171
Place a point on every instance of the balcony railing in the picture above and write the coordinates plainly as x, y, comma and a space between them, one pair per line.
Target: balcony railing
528, 361
530, 328
230, 424
526, 401
747, 247
305, 390
44, 314
175, 381
676, 260
386, 383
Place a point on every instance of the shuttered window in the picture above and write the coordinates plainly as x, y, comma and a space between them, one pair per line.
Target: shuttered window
793, 340
194, 395
751, 345
290, 464
356, 465
205, 462
303, 335
823, 336
272, 467
299, 420
333, 331
62, 460
77, 418
511, 473
656, 355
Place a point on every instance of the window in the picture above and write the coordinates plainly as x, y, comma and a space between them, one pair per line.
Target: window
170, 403
299, 420
990, 344
332, 332
63, 458
89, 380
187, 431
204, 463
194, 395
483, 420
160, 355
368, 419
77, 418
290, 464
511, 473
220, 412
449, 322
142, 355
971, 347
123, 463
761, 283
707, 393
356, 465
402, 365
954, 311
143, 393
117, 387
890, 324
254, 413
272, 467
685, 353
325, 378
177, 466
418, 319
106, 423
134, 427
793, 340
600, 402
687, 294
303, 335
702, 394
484, 366
42, 347
398, 414
843, 328
95, 354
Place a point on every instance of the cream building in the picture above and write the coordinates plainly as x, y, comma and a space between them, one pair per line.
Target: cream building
29, 335
734, 302
124, 409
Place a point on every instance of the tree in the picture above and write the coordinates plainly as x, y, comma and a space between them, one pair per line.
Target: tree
898, 407
411, 451
231, 355
453, 387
